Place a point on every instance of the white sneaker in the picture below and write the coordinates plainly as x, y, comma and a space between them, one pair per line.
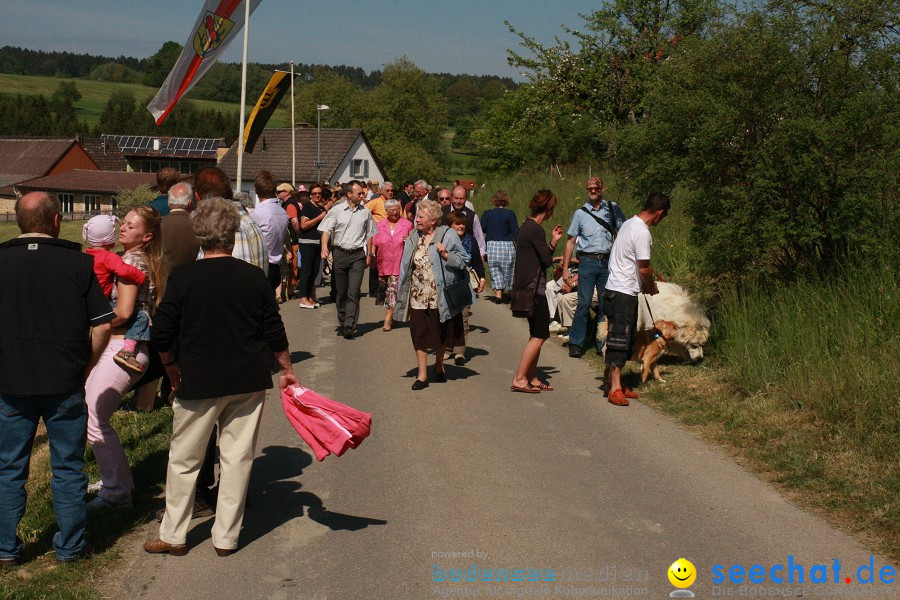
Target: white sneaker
94, 488
554, 327
564, 338
100, 503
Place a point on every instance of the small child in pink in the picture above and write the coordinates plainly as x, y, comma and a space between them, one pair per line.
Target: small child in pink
100, 235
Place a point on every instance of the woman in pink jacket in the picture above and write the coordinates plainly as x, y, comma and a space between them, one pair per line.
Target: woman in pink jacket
388, 245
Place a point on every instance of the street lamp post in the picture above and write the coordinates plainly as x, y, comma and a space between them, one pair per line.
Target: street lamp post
319, 109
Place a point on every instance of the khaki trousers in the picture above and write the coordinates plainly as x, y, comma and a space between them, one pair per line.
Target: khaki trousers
238, 417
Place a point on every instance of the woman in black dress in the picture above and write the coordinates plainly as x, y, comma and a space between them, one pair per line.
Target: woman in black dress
533, 256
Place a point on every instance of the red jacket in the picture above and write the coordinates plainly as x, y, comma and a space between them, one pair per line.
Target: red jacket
109, 265
328, 427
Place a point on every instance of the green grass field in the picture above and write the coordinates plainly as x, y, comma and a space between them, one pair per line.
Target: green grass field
95, 94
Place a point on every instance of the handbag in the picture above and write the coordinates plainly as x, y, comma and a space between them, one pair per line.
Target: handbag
521, 302
458, 293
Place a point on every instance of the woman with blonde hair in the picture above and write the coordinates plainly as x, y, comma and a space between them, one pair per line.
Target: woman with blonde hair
108, 382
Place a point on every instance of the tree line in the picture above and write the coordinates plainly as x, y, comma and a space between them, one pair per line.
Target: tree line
222, 81
122, 114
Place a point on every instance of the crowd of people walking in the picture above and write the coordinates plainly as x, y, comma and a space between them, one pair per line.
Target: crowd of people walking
192, 300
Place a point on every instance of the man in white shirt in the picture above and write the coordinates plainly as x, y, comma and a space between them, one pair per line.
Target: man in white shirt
629, 274
272, 221
349, 228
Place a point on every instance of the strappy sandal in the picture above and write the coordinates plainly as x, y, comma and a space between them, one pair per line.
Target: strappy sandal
545, 387
526, 389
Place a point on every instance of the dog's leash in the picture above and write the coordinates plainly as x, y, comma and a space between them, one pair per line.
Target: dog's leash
656, 332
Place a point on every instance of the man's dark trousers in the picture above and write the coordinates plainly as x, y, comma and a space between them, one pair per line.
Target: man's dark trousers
348, 275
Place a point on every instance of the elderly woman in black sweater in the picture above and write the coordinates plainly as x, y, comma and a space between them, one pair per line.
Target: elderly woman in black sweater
533, 256
216, 330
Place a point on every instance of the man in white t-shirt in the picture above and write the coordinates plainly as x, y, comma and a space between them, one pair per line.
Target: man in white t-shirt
629, 274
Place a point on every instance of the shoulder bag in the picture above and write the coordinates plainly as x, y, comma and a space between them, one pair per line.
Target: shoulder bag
458, 293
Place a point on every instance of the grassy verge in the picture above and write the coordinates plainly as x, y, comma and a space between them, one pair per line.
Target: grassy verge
145, 437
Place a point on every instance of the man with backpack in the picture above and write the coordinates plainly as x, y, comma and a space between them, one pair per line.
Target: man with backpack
590, 235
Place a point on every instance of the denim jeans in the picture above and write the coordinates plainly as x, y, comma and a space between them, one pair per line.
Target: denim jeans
65, 417
592, 273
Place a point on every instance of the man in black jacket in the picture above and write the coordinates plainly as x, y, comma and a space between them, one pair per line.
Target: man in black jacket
54, 324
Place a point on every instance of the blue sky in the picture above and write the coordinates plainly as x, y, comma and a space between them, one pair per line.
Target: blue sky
455, 36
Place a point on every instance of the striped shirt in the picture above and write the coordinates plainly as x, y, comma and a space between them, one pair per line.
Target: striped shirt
249, 245
146, 296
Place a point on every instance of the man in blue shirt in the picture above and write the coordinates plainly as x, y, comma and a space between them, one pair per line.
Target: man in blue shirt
591, 235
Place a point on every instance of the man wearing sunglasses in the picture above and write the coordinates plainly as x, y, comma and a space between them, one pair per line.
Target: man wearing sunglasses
590, 235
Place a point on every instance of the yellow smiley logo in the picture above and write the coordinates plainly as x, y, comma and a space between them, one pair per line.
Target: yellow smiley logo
682, 573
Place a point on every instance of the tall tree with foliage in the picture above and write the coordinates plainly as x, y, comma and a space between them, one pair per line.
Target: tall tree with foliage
579, 92
785, 125
406, 120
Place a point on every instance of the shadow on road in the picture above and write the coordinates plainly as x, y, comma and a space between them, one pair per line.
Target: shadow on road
334, 520
274, 498
300, 356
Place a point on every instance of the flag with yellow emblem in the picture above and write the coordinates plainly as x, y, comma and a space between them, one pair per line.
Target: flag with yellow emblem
218, 24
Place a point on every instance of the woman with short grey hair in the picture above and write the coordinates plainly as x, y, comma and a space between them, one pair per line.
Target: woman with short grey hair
215, 222
388, 245
433, 259
216, 330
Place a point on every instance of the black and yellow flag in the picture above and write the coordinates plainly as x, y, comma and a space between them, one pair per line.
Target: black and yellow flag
265, 107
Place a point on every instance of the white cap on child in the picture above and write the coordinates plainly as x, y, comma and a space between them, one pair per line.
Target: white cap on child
100, 230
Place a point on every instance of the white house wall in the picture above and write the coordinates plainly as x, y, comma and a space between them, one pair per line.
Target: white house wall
358, 151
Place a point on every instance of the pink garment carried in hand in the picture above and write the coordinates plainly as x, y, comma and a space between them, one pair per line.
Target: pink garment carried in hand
328, 427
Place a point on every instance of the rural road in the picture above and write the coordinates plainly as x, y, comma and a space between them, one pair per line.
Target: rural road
559, 481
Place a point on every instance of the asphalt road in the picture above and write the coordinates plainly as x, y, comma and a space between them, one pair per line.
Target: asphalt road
600, 498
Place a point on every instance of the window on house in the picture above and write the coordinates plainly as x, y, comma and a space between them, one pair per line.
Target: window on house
67, 202
91, 203
359, 168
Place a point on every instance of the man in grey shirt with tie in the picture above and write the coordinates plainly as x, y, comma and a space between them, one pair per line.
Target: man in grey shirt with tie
349, 228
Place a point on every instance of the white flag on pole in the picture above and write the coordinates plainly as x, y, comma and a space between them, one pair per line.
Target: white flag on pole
218, 24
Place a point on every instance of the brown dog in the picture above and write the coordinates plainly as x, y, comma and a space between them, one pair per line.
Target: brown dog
649, 347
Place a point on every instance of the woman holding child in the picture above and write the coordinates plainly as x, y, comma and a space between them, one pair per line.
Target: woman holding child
111, 378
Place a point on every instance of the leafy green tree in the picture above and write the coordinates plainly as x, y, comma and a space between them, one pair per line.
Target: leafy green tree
406, 117
785, 125
159, 65
343, 99
121, 115
115, 72
128, 199
578, 92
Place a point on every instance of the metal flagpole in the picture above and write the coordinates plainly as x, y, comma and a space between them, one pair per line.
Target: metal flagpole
293, 134
240, 157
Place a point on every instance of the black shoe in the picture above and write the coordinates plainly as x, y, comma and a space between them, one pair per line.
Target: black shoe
349, 333
575, 351
440, 377
419, 385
